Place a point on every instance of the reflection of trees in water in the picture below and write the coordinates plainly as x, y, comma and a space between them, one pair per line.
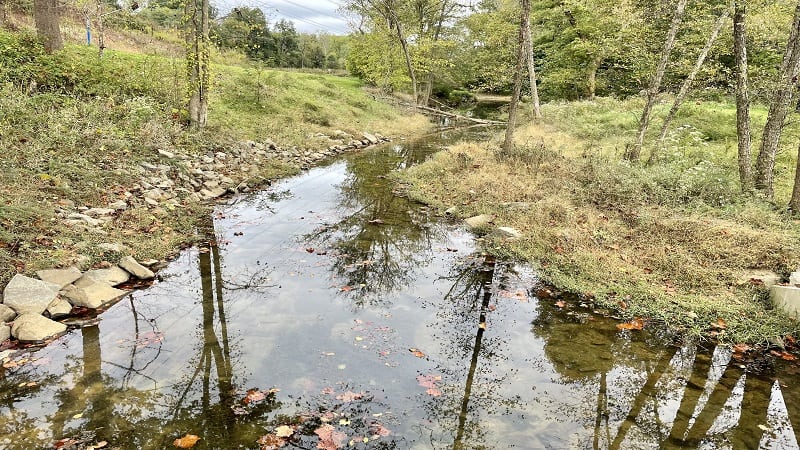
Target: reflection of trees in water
676, 397
382, 255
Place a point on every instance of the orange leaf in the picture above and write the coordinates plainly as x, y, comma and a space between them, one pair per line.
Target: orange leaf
271, 442
635, 324
346, 288
719, 325
741, 348
783, 355
187, 441
561, 303
417, 353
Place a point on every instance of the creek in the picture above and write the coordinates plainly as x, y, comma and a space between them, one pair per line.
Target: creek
333, 308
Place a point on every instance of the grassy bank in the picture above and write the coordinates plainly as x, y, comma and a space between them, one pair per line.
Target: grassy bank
75, 130
673, 243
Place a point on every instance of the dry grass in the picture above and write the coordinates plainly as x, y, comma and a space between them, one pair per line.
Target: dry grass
642, 248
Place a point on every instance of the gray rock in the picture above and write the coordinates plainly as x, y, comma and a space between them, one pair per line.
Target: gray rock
166, 154
84, 218
150, 167
109, 247
150, 201
118, 205
111, 276
99, 212
6, 314
509, 232
92, 295
136, 269
794, 278
451, 211
59, 308
154, 194
31, 327
371, 138
480, 222
60, 277
5, 332
28, 295
786, 299
206, 194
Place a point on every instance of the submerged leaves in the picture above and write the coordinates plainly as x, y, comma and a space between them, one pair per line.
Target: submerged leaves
187, 441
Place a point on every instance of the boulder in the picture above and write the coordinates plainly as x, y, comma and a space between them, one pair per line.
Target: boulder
99, 212
84, 218
31, 327
371, 138
112, 247
61, 277
59, 308
29, 295
509, 232
5, 332
92, 295
480, 222
111, 276
136, 269
794, 278
786, 299
451, 211
6, 314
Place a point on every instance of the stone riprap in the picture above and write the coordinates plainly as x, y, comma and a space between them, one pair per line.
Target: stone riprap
29, 295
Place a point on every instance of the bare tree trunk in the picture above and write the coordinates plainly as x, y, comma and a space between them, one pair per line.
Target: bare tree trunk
634, 151
794, 203
742, 95
512, 109
197, 57
407, 55
687, 83
46, 16
537, 110
101, 30
765, 163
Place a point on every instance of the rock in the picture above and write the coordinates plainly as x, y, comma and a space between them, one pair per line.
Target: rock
480, 222
59, 308
371, 138
83, 217
154, 194
150, 167
60, 277
136, 269
786, 299
794, 278
5, 332
28, 295
766, 277
109, 247
92, 294
509, 232
166, 154
99, 212
451, 211
206, 194
30, 327
6, 314
150, 201
111, 276
118, 205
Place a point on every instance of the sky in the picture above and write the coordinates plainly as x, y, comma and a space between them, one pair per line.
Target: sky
308, 16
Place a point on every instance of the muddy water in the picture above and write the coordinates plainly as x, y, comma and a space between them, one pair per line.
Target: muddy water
331, 306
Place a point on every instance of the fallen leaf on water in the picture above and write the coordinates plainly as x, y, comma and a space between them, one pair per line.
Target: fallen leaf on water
635, 324
350, 396
434, 392
561, 303
520, 295
271, 442
329, 438
328, 390
417, 353
344, 422
492, 307
346, 288
284, 431
379, 430
783, 355
255, 395
187, 441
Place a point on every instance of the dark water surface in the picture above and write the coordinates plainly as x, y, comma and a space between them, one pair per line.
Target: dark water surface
335, 307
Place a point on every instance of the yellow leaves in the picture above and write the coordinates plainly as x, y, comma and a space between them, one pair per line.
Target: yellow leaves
284, 431
187, 441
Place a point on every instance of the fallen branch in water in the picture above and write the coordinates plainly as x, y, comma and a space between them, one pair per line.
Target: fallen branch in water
458, 116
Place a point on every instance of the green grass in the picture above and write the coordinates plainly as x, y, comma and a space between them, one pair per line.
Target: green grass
668, 242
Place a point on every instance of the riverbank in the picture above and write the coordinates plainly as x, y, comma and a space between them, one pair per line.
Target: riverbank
674, 244
100, 164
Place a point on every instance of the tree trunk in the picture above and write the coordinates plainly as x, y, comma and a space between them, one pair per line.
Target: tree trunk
765, 163
794, 203
46, 16
512, 109
407, 56
591, 83
197, 57
101, 30
687, 83
742, 95
537, 110
634, 151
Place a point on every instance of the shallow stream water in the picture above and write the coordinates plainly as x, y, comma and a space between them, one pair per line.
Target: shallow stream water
332, 306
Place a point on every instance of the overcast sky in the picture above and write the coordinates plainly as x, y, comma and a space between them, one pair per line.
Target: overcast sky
308, 16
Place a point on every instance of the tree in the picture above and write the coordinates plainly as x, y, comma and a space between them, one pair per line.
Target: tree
742, 94
687, 84
794, 202
198, 60
765, 163
537, 111
512, 109
633, 152
46, 17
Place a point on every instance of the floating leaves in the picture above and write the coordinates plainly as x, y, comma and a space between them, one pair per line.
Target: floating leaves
284, 431
349, 396
520, 295
417, 353
187, 441
329, 438
255, 395
635, 324
430, 382
271, 442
